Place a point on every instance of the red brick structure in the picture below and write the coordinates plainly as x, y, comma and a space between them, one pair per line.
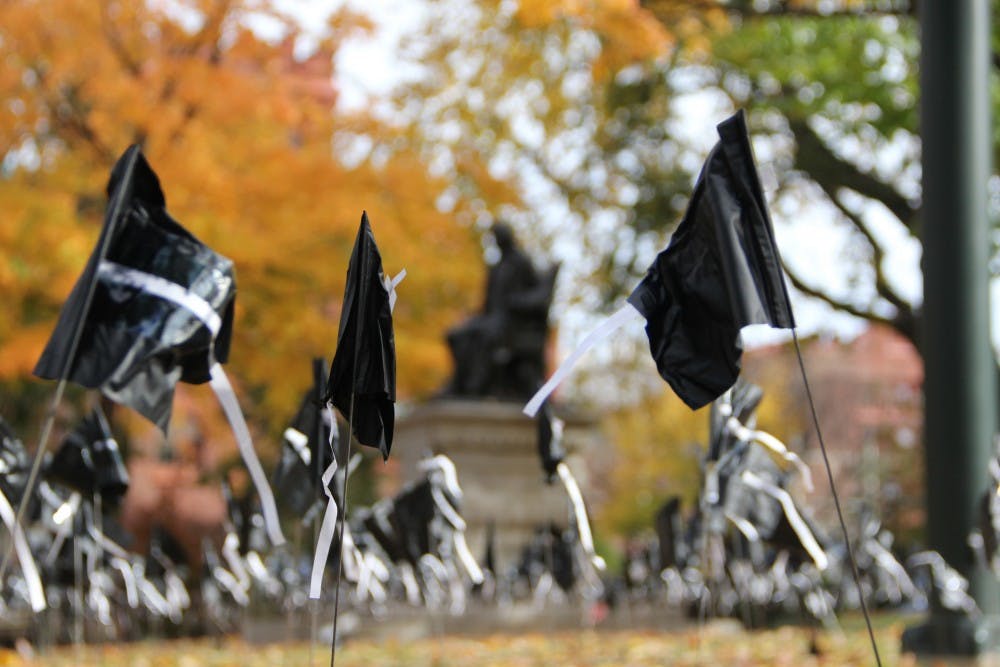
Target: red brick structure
868, 397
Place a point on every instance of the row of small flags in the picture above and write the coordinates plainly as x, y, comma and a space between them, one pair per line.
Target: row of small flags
154, 306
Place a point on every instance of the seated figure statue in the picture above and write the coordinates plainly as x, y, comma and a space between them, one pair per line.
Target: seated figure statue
499, 352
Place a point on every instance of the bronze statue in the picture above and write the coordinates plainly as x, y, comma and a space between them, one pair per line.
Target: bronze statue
499, 352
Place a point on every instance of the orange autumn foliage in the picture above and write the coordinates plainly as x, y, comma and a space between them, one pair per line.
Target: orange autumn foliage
241, 130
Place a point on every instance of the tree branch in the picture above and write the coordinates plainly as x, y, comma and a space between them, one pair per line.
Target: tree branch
837, 304
882, 286
816, 159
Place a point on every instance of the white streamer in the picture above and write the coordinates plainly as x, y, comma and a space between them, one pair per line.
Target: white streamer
157, 286
128, 577
580, 513
467, 559
326, 533
298, 440
36, 595
390, 287
200, 308
605, 329
777, 446
227, 399
231, 552
795, 519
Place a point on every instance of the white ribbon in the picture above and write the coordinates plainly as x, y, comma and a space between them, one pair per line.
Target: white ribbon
298, 440
36, 595
373, 573
770, 442
466, 558
351, 555
390, 287
227, 399
326, 533
119, 560
329, 525
605, 329
197, 306
744, 526
151, 595
580, 514
128, 577
795, 519
61, 519
229, 582
231, 553
157, 286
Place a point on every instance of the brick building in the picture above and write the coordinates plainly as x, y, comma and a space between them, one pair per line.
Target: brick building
870, 406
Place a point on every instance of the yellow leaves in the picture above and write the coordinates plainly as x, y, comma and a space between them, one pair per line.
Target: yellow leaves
714, 643
20, 349
539, 13
691, 27
657, 446
240, 132
629, 33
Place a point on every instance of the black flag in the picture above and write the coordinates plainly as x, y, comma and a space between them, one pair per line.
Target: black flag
364, 366
720, 273
162, 304
89, 460
297, 476
550, 447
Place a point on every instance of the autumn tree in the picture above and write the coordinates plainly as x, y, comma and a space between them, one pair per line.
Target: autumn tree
233, 104
833, 85
596, 135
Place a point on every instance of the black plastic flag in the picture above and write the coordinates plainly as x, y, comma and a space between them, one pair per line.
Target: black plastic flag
154, 306
550, 447
162, 303
720, 272
306, 450
362, 381
89, 461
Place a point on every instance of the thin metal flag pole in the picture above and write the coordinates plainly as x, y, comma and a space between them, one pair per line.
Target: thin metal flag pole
836, 502
318, 370
341, 517
50, 416
359, 313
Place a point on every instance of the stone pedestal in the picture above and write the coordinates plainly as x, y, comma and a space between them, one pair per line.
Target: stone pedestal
494, 448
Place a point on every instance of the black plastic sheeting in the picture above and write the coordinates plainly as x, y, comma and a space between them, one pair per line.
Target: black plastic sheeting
720, 272
88, 460
297, 485
550, 447
135, 346
365, 362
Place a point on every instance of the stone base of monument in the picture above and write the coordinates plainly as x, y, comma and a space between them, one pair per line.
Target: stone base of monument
494, 448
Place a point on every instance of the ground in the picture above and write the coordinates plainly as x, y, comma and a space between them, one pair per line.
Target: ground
720, 643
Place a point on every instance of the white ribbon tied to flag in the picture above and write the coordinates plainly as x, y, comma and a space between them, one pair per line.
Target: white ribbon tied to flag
605, 329
197, 306
328, 527
579, 514
390, 287
795, 520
